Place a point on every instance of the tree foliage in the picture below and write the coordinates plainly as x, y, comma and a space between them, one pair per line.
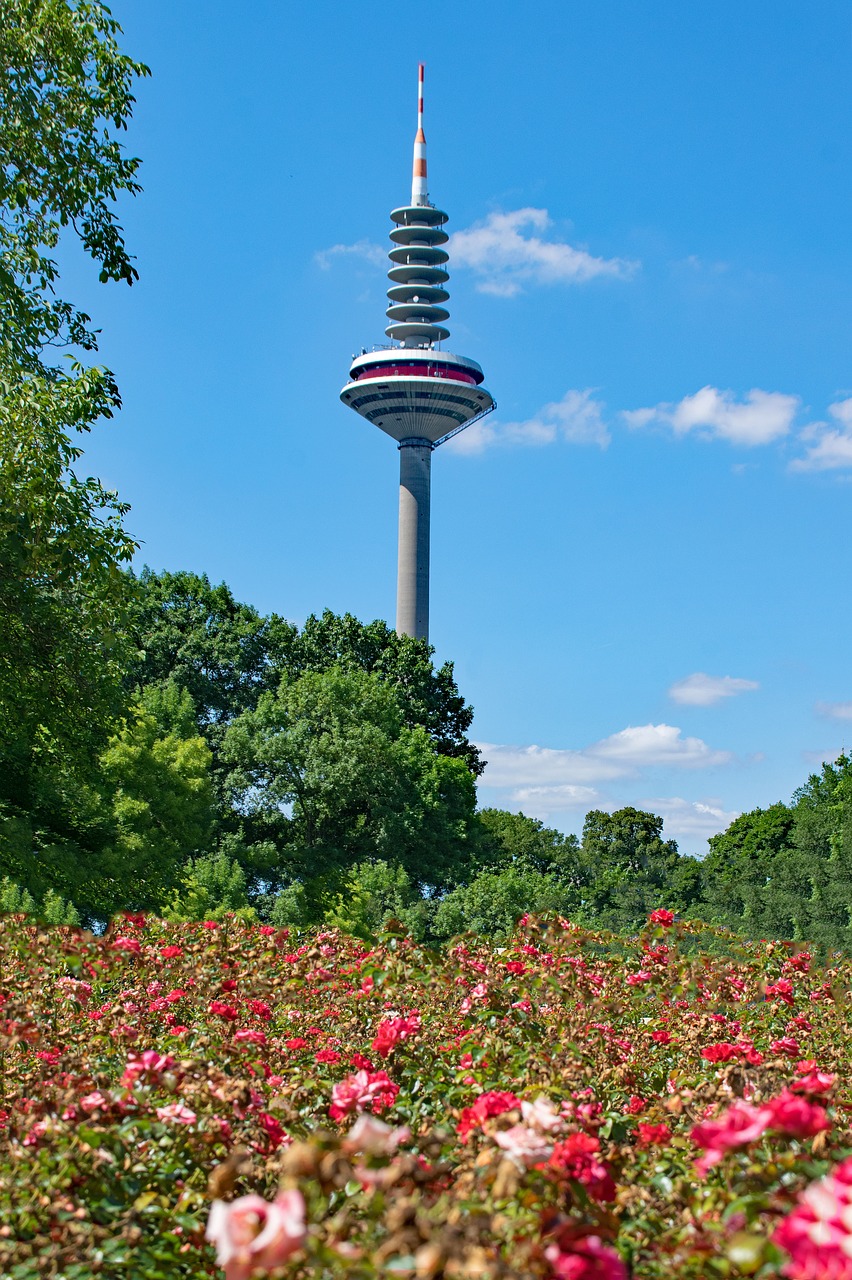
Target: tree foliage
786, 871
63, 595
223, 653
65, 98
328, 772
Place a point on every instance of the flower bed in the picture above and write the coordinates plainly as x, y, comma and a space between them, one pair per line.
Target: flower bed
572, 1106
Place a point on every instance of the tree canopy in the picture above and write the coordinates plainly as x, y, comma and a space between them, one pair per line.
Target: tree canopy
65, 98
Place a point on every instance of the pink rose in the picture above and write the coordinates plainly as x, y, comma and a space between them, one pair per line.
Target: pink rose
248, 1036
796, 1116
373, 1088
740, 1125
817, 1234
541, 1115
585, 1259
374, 1137
126, 944
147, 1067
252, 1236
94, 1102
393, 1031
662, 916
177, 1113
73, 989
524, 1146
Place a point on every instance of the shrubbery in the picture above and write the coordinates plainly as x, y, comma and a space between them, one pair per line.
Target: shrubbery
571, 1105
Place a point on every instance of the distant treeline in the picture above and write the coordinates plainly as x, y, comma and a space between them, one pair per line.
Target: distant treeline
325, 773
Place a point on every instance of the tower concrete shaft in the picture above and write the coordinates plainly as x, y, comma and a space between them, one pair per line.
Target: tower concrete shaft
412, 583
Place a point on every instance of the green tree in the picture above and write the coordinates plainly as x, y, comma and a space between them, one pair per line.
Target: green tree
211, 887
327, 771
65, 97
428, 697
513, 839
64, 100
14, 900
822, 839
786, 871
493, 902
225, 654
62, 592
629, 869
54, 910
374, 893
744, 880
120, 837
158, 798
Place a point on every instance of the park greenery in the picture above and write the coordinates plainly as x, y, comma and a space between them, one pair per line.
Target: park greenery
258, 845
165, 747
325, 774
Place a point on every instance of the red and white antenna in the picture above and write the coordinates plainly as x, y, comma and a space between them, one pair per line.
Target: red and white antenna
419, 189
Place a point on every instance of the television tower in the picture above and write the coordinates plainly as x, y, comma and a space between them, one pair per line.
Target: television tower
412, 389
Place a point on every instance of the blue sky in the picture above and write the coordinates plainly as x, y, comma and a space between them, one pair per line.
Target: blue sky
639, 562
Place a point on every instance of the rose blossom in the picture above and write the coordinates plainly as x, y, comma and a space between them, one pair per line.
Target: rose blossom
524, 1146
226, 1011
149, 1066
794, 1115
487, 1106
577, 1157
786, 1044
814, 1082
363, 1088
374, 1137
251, 1235
177, 1112
740, 1124
586, 1259
661, 916
540, 1115
817, 1233
782, 990
248, 1036
94, 1102
393, 1031
652, 1135
74, 989
126, 944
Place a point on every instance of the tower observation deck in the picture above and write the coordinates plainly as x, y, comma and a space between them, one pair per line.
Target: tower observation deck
414, 391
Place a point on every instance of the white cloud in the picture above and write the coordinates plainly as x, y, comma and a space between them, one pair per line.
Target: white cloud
505, 259
561, 799
701, 690
365, 249
657, 744
834, 710
763, 416
688, 821
621, 755
829, 444
577, 419
510, 766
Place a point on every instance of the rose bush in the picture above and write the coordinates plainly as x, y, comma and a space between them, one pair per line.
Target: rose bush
187, 1100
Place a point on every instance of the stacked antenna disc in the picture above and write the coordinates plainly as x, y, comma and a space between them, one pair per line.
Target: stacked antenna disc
418, 277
